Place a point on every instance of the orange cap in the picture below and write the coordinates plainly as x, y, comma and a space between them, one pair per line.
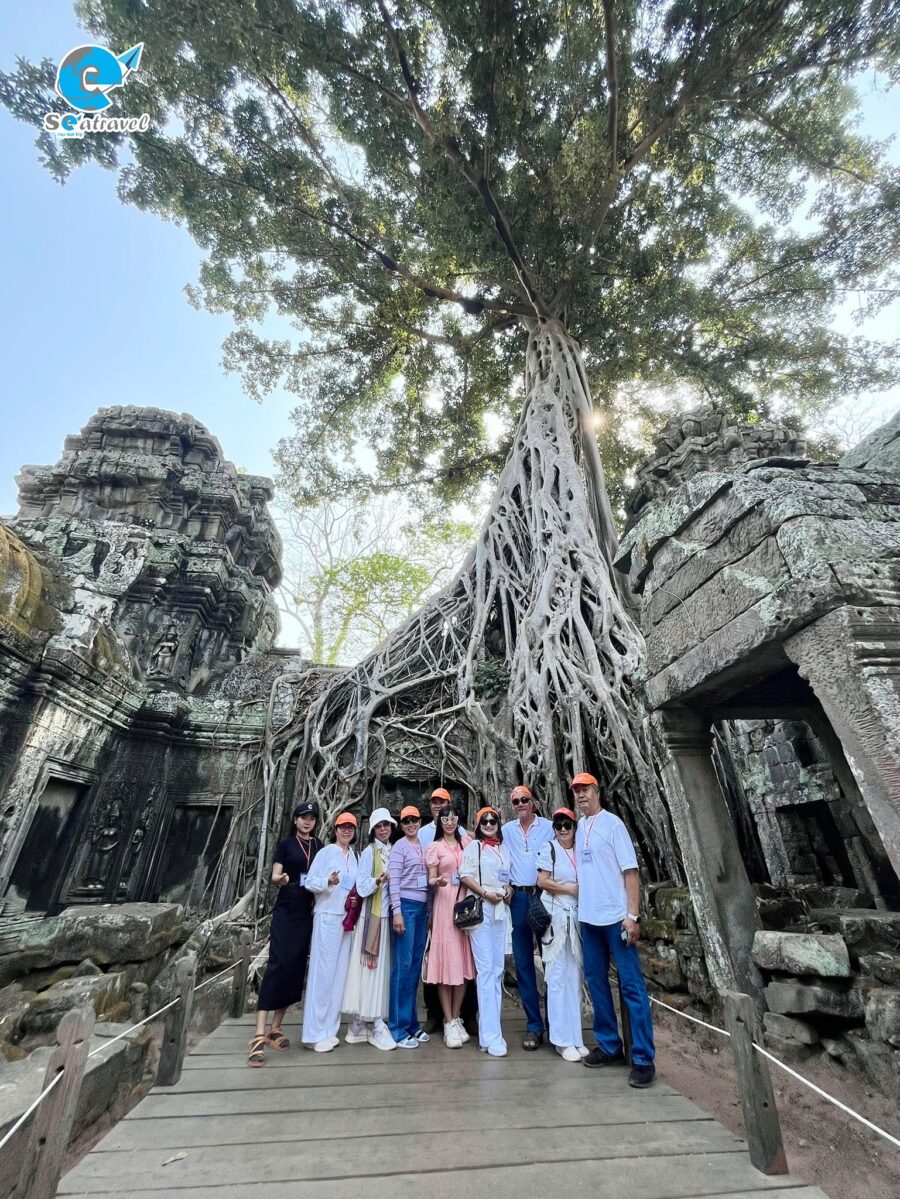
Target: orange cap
565, 812
345, 818
442, 793
410, 810
482, 811
583, 780
520, 793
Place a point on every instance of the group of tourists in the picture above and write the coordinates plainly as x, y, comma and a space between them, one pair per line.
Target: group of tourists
372, 925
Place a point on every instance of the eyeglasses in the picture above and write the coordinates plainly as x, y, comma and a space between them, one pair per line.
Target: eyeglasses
560, 825
452, 816
517, 803
411, 820
488, 821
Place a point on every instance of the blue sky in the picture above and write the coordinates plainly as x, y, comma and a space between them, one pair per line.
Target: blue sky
76, 249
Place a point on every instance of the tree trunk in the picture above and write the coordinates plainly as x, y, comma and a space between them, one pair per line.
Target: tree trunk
536, 601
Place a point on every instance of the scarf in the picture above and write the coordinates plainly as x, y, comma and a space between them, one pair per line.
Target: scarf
372, 928
491, 841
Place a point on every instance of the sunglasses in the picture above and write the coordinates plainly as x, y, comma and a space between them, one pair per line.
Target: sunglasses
452, 816
488, 822
517, 803
563, 824
412, 820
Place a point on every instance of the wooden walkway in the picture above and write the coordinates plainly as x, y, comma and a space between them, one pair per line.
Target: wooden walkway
428, 1123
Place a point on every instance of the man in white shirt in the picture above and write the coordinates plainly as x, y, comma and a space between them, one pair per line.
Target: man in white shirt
609, 907
523, 837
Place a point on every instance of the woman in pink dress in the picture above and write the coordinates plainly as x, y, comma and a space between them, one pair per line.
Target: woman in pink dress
450, 961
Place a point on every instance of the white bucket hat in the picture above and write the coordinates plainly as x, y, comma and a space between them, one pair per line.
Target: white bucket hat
378, 815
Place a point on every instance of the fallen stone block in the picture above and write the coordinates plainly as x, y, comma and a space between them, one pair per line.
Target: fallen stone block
863, 931
878, 1062
885, 967
788, 1028
782, 912
801, 953
793, 997
883, 1016
103, 992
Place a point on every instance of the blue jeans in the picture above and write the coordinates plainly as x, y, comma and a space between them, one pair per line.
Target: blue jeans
598, 942
407, 950
523, 952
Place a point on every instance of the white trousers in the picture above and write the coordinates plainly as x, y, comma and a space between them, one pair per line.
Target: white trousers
489, 940
563, 979
329, 958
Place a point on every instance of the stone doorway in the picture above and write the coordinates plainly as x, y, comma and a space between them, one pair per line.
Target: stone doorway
44, 859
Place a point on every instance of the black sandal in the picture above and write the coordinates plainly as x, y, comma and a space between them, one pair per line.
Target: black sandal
257, 1051
532, 1040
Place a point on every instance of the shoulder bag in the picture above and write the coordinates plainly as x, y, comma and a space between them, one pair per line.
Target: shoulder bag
537, 917
469, 912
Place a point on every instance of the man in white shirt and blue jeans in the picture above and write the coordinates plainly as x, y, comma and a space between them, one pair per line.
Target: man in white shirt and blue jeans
523, 837
609, 907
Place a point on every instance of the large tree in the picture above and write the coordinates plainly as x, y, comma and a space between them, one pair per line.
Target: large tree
484, 218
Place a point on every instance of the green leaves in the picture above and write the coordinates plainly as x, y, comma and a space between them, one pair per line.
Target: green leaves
685, 186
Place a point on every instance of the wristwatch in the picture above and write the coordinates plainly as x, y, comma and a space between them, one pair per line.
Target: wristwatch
636, 919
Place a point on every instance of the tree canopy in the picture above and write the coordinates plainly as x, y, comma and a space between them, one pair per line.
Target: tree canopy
412, 182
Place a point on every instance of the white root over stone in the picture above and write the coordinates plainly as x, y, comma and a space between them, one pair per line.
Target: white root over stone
536, 596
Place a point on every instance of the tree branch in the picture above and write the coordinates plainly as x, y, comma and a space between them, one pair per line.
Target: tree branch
612, 83
453, 153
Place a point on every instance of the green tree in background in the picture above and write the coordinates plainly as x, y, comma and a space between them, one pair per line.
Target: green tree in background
488, 222
353, 571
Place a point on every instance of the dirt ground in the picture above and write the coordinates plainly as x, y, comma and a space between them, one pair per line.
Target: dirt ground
824, 1146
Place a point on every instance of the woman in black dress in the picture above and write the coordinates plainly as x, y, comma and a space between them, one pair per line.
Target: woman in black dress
290, 934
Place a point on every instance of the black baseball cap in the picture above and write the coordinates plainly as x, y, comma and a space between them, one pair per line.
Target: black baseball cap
306, 809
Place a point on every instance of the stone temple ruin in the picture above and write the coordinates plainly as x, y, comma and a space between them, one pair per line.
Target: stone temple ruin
137, 665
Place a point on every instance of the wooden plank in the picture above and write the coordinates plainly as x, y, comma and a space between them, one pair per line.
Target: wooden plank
51, 1126
163, 1104
239, 982
177, 1023
464, 1067
668, 1176
761, 1123
183, 1132
364, 1157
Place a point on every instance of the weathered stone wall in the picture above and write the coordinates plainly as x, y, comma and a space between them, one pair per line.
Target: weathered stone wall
136, 656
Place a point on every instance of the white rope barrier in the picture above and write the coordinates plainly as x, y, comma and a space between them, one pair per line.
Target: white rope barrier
824, 1094
207, 981
787, 1069
24, 1116
134, 1027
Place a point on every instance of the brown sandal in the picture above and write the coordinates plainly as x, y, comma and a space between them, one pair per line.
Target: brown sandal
278, 1040
257, 1051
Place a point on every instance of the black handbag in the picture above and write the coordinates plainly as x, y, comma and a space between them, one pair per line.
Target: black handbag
469, 912
537, 917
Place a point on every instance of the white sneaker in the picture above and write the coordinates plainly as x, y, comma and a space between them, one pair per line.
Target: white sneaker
569, 1054
407, 1043
324, 1046
382, 1039
498, 1049
583, 1051
452, 1039
421, 1036
357, 1033
461, 1029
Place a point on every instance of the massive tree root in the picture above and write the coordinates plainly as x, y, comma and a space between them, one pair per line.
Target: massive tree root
536, 603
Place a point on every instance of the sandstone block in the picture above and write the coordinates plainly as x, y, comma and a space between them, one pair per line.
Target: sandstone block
788, 1028
103, 992
801, 953
129, 932
674, 905
883, 1016
660, 963
793, 997
885, 967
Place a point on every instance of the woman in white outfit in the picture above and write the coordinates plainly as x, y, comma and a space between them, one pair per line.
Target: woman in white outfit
561, 947
368, 989
331, 878
485, 871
